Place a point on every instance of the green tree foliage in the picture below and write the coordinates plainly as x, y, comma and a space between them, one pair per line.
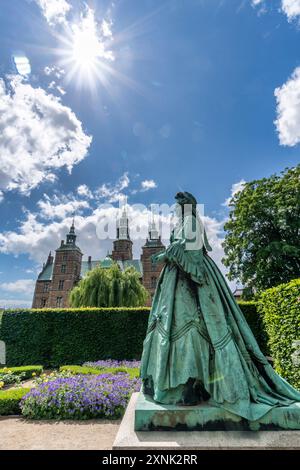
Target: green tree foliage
109, 287
262, 244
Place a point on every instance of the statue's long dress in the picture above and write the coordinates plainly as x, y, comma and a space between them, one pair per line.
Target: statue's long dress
197, 331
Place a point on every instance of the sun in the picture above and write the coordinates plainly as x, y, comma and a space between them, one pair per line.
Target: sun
85, 49
85, 52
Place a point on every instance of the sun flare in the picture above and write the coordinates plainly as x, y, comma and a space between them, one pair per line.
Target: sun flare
86, 51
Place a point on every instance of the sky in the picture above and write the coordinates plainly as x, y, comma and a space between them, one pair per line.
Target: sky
104, 101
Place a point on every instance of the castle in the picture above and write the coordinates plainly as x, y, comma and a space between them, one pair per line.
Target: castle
60, 274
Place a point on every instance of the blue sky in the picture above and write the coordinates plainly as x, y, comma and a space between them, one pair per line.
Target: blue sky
198, 95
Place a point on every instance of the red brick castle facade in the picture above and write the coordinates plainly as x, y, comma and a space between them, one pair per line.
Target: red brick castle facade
60, 274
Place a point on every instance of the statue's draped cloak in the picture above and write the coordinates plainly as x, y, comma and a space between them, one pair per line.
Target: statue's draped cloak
196, 330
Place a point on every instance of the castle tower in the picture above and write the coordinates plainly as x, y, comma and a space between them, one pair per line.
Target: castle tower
122, 246
43, 285
66, 270
151, 271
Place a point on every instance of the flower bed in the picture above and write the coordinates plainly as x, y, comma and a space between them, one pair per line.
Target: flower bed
110, 363
80, 397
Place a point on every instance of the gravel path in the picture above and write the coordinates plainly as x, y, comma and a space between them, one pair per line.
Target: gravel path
21, 434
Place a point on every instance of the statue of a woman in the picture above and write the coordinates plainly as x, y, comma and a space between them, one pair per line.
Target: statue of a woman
199, 346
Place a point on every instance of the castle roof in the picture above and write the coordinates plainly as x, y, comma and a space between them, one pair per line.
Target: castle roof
46, 274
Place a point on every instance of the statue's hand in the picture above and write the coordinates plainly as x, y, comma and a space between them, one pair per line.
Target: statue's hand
158, 257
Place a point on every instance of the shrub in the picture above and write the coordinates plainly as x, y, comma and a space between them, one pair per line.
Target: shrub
280, 310
114, 364
74, 336
80, 397
80, 370
255, 321
26, 372
10, 401
87, 370
8, 378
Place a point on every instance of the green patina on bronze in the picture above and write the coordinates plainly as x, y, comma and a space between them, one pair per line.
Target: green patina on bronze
199, 348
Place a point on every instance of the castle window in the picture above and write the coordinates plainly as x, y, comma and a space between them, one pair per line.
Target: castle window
63, 268
43, 303
59, 301
75, 270
61, 285
46, 288
153, 282
153, 266
65, 257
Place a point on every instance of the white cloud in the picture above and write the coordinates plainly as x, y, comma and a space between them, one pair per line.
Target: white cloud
55, 208
235, 188
83, 190
113, 193
53, 86
58, 72
15, 303
106, 28
21, 285
38, 135
89, 39
291, 8
288, 110
148, 184
54, 11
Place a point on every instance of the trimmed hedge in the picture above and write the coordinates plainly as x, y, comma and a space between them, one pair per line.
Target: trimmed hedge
27, 370
255, 321
133, 372
280, 310
74, 336
10, 401
80, 370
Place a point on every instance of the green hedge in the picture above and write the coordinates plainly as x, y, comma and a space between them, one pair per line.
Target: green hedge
255, 321
27, 370
133, 372
280, 310
73, 336
10, 399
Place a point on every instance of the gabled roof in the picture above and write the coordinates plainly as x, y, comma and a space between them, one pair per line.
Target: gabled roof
46, 274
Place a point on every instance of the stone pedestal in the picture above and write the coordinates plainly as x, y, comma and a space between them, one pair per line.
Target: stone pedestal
152, 416
129, 439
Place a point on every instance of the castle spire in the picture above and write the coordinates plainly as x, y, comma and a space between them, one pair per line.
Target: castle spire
123, 225
153, 232
71, 236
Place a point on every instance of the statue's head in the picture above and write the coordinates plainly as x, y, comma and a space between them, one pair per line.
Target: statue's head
183, 198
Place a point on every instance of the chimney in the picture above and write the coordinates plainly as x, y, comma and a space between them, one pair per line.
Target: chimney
62, 243
89, 259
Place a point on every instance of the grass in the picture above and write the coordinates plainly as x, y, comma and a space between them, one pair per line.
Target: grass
133, 372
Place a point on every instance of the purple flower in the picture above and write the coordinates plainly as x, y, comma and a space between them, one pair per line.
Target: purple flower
113, 363
80, 397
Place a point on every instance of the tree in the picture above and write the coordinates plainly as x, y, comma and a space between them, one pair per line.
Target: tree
109, 287
262, 244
